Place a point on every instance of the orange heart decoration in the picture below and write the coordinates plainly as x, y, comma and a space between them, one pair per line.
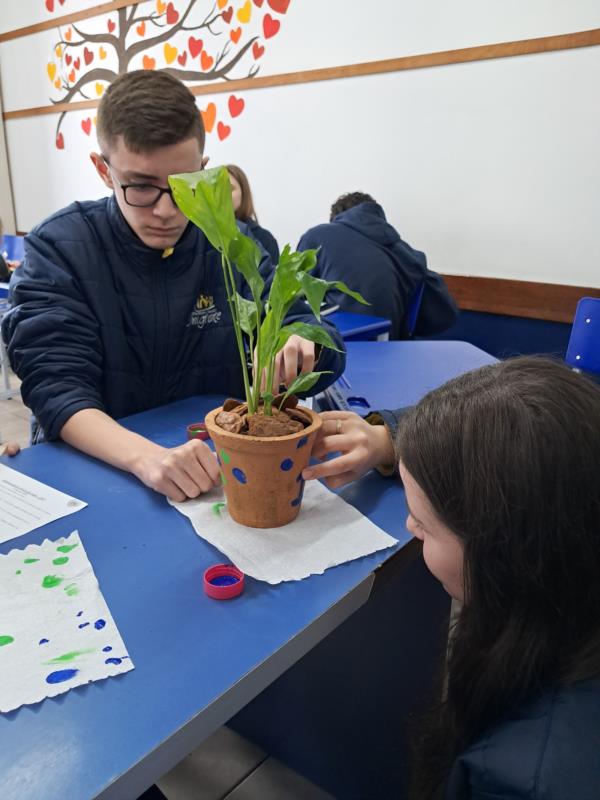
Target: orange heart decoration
236, 105
234, 35
68, 34
243, 13
51, 68
57, 83
209, 115
148, 62
141, 28
223, 131
170, 53
221, 4
206, 61
72, 76
102, 53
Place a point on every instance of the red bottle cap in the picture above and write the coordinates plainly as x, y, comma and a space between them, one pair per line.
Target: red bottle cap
197, 430
223, 581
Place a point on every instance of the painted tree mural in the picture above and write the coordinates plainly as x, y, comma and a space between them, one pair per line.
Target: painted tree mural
195, 40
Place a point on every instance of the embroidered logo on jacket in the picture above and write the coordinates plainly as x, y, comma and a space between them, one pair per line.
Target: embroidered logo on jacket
205, 312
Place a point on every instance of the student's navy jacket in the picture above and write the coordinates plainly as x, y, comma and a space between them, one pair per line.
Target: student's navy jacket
362, 249
100, 320
266, 238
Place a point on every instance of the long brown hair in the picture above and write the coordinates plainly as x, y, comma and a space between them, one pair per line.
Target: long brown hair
509, 458
246, 209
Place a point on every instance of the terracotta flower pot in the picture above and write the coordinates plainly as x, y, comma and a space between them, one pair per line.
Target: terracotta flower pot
263, 476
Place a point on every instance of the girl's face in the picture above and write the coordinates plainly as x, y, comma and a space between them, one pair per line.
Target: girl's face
442, 550
236, 194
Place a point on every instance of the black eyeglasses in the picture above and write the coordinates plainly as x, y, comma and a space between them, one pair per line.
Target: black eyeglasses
140, 195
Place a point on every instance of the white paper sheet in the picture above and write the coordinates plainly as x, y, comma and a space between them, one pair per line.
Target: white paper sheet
327, 532
56, 631
26, 504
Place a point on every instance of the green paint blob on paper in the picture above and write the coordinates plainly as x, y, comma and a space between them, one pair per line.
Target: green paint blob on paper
72, 590
66, 657
18, 572
217, 508
50, 581
66, 548
30, 560
60, 560
6, 640
224, 457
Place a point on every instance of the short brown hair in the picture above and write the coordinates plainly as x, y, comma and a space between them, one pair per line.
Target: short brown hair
149, 109
246, 209
347, 201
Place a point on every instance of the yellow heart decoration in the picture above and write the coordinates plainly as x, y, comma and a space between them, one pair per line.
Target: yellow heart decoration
94, 121
243, 13
57, 83
170, 53
51, 67
99, 89
102, 53
161, 7
58, 51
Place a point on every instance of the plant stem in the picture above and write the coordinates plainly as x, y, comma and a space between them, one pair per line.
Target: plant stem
235, 315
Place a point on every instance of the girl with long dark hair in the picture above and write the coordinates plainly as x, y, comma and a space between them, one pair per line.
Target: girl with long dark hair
501, 468
243, 208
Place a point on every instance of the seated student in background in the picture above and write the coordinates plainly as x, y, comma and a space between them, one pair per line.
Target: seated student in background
500, 469
359, 247
243, 206
120, 304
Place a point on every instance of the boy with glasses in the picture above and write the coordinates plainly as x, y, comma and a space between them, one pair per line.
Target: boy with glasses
120, 304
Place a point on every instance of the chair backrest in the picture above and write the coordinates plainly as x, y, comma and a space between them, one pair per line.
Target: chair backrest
12, 247
414, 307
583, 351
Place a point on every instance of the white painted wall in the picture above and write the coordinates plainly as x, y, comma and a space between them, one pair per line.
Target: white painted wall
490, 167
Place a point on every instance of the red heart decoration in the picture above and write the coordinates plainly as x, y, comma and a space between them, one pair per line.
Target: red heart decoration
50, 5
270, 26
258, 3
223, 131
86, 124
257, 50
280, 6
77, 63
236, 105
60, 141
68, 59
111, 26
195, 46
182, 59
172, 14
227, 14
61, 2
88, 56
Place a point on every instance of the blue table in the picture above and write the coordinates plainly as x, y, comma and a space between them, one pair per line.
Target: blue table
360, 327
198, 661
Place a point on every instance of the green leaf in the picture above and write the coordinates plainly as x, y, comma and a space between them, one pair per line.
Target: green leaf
205, 199
341, 287
304, 382
314, 333
245, 254
248, 314
314, 290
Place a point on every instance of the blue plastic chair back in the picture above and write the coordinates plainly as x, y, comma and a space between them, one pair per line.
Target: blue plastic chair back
12, 247
414, 308
583, 351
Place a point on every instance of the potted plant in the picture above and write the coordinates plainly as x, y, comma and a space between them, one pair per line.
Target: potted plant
264, 443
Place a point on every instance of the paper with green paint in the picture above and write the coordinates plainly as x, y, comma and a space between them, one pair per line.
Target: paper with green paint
27, 504
56, 631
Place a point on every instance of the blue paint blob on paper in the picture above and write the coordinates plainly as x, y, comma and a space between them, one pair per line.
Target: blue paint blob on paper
286, 464
239, 475
61, 675
302, 442
99, 624
107, 649
43, 641
79, 613
83, 624
113, 660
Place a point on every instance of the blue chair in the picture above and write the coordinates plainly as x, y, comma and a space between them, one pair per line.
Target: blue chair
12, 247
583, 351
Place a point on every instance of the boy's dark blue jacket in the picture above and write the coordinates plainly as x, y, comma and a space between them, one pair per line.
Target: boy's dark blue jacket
362, 249
100, 320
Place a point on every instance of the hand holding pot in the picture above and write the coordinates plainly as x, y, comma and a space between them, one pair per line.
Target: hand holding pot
179, 472
362, 447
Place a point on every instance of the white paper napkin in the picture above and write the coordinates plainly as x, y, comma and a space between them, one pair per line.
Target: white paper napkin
56, 631
327, 532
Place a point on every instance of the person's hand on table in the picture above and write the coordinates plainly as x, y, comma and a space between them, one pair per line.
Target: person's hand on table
179, 472
10, 449
296, 356
362, 447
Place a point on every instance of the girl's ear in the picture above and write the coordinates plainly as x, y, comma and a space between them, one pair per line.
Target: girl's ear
102, 169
